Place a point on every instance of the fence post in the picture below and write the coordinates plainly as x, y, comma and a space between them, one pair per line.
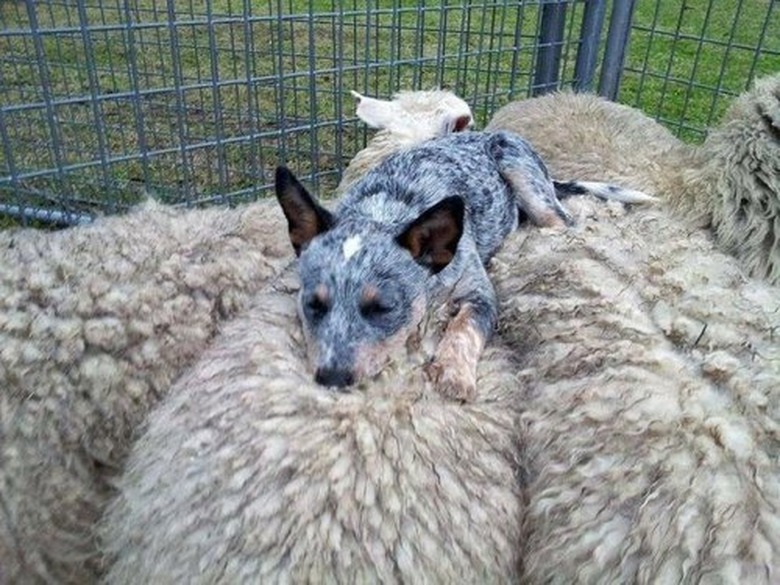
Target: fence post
590, 37
615, 51
548, 57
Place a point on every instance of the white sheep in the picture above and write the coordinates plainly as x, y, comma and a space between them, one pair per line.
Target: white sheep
630, 394
95, 324
251, 472
731, 183
662, 467
652, 405
410, 118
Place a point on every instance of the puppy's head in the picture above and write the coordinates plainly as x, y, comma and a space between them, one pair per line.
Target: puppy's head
363, 284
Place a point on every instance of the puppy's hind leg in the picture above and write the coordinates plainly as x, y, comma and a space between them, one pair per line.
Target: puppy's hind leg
454, 367
527, 176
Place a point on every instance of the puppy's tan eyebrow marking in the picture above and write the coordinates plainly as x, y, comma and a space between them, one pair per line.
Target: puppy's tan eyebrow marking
370, 295
322, 294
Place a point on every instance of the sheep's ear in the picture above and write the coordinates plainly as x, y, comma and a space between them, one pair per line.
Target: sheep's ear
456, 123
432, 239
305, 218
376, 113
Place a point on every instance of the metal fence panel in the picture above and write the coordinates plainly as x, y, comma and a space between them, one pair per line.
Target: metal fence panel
688, 59
105, 102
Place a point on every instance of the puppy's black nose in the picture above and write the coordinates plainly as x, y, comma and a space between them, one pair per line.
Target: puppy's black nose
334, 377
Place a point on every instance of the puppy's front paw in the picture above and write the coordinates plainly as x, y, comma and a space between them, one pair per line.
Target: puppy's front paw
453, 379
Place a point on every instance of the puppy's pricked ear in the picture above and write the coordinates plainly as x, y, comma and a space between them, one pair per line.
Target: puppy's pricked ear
305, 218
432, 239
380, 114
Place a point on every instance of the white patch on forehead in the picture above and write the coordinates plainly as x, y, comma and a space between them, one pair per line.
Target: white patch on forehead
351, 246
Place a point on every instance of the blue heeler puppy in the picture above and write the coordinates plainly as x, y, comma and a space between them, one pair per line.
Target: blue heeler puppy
417, 229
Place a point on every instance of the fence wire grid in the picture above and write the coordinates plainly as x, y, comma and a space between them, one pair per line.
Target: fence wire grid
688, 60
103, 103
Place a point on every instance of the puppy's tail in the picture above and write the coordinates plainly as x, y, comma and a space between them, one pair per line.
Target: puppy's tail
604, 191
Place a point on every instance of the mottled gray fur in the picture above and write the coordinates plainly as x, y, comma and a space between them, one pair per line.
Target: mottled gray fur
417, 229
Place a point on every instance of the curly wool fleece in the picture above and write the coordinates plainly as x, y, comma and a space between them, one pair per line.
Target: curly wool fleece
95, 323
729, 184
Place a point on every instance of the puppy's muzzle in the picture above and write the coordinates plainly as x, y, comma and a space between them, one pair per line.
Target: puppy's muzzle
334, 377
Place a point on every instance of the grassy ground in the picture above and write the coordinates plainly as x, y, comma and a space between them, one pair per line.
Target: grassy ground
155, 90
216, 101
687, 59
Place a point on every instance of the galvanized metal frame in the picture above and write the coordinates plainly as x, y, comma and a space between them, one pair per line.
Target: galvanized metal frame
721, 67
105, 102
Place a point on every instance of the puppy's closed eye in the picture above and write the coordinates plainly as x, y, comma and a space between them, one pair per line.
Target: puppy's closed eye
374, 309
372, 305
318, 305
316, 308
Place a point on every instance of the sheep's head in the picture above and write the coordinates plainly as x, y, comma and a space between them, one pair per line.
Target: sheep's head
743, 163
410, 118
759, 106
415, 116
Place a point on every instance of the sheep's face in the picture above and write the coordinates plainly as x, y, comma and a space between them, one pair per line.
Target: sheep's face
743, 157
415, 116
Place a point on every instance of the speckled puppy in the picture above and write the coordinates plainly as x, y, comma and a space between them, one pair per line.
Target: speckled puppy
417, 230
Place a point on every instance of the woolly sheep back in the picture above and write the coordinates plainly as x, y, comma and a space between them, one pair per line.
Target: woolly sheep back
586, 137
249, 471
651, 412
730, 183
95, 323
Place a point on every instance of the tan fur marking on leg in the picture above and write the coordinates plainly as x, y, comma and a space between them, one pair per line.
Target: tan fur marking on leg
454, 369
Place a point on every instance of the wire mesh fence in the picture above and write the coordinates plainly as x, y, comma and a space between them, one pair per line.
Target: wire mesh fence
688, 59
104, 103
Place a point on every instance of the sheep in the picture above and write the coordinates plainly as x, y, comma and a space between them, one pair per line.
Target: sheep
625, 430
410, 118
95, 324
652, 407
730, 184
250, 471
660, 467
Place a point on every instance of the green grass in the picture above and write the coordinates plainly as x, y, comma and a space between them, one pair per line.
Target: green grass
684, 72
346, 50
314, 131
